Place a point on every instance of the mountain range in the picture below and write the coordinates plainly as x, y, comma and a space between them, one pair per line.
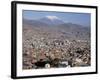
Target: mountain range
54, 24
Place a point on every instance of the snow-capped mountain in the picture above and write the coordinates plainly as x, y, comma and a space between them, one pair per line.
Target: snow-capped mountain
53, 25
51, 20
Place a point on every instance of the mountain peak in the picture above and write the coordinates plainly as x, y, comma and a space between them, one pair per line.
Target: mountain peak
53, 18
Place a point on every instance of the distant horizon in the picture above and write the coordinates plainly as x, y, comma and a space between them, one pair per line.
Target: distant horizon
83, 19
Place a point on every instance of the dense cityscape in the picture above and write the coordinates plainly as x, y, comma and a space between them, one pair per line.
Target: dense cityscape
46, 47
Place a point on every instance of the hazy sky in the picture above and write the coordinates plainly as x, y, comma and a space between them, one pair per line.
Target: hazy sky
77, 18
